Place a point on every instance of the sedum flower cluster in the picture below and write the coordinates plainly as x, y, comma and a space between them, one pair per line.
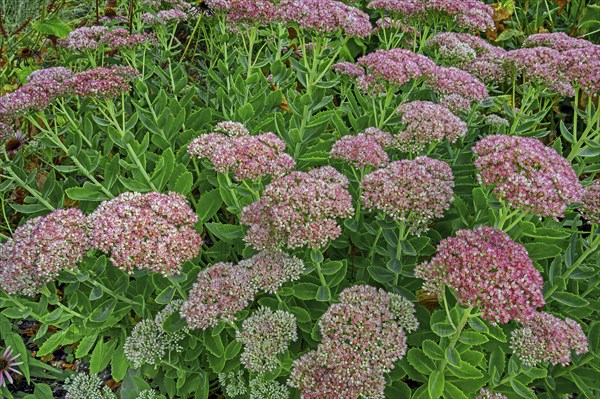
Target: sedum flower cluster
425, 123
473, 15
248, 157
148, 342
265, 335
41, 248
363, 336
545, 338
472, 54
321, 16
91, 38
413, 192
48, 85
526, 174
224, 289
363, 150
80, 385
485, 268
590, 209
299, 209
150, 231
487, 394
169, 11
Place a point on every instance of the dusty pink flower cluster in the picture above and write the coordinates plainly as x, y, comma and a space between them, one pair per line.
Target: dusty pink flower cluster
487, 394
526, 174
413, 192
471, 54
47, 85
265, 335
362, 338
426, 123
169, 11
248, 157
364, 149
558, 41
41, 248
543, 65
473, 15
90, 38
590, 209
323, 16
150, 231
545, 338
485, 268
224, 289
299, 209
457, 88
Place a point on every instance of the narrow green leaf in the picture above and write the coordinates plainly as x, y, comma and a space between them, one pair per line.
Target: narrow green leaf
436, 384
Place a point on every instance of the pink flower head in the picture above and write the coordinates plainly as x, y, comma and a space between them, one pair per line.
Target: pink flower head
363, 336
542, 65
487, 394
528, 175
558, 41
545, 338
426, 123
41, 248
150, 231
8, 364
32, 96
232, 128
56, 74
265, 335
450, 81
360, 151
590, 209
221, 291
471, 54
412, 192
271, 269
101, 82
299, 209
396, 66
253, 12
248, 157
84, 38
485, 268
325, 16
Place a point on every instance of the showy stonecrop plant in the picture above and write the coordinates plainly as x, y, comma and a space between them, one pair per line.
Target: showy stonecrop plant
298, 199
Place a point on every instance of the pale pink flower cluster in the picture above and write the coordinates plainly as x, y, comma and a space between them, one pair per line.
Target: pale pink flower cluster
393, 67
485, 268
299, 209
90, 38
526, 174
457, 88
41, 248
558, 41
426, 123
220, 291
270, 269
265, 335
101, 82
362, 338
471, 54
364, 149
149, 231
590, 208
224, 289
542, 65
322, 16
473, 15
47, 85
544, 338
325, 16
413, 192
248, 157
169, 11
56, 74
487, 394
